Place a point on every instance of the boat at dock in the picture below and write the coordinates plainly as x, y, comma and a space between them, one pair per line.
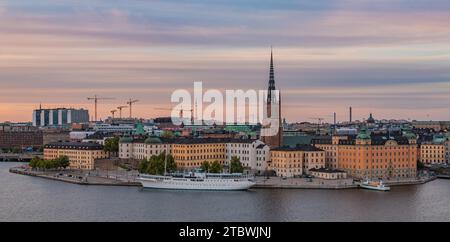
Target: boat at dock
374, 185
198, 180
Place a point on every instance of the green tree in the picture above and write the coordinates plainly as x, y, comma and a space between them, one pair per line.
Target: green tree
155, 165
34, 162
167, 134
205, 166
16, 150
236, 165
143, 165
62, 162
420, 165
112, 145
215, 167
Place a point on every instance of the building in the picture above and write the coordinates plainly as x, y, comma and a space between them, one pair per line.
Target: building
253, 154
192, 152
55, 135
20, 139
434, 125
81, 155
328, 174
277, 139
59, 117
139, 149
378, 156
296, 161
434, 152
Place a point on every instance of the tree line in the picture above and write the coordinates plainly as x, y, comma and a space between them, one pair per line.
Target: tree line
155, 165
60, 162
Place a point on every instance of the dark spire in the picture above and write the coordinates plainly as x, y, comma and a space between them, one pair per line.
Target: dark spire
271, 78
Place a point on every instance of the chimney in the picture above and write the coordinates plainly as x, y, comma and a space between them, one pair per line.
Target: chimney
350, 114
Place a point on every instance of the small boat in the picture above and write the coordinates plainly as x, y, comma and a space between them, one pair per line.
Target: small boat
372, 185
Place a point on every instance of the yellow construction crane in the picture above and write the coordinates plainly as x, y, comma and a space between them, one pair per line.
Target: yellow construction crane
120, 110
130, 102
96, 98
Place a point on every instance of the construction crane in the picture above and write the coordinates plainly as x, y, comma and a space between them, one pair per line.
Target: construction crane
130, 102
96, 98
113, 112
120, 110
181, 112
319, 122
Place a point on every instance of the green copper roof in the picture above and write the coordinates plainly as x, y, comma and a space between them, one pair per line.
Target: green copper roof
153, 140
139, 129
363, 134
126, 140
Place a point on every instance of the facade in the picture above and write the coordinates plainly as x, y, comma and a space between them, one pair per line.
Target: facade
328, 174
191, 153
447, 150
139, 149
253, 154
20, 139
296, 161
434, 125
434, 152
81, 155
370, 156
59, 117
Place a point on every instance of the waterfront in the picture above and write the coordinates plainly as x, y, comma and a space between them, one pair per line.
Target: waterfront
25, 198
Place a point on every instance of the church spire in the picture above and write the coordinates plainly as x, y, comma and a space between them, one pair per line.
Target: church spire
271, 78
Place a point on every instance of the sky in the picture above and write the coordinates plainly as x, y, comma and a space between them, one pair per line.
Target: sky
386, 57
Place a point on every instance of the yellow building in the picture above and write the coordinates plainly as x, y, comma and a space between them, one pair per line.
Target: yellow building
432, 153
190, 153
81, 155
296, 161
375, 156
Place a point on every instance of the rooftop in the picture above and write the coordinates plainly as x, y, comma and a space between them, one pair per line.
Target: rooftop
74, 146
297, 148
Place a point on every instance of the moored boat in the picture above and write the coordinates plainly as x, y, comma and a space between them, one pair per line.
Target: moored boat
374, 185
198, 180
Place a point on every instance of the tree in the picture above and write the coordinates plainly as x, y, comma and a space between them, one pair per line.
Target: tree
205, 166
236, 165
112, 145
34, 162
215, 167
155, 165
167, 134
420, 165
16, 150
62, 162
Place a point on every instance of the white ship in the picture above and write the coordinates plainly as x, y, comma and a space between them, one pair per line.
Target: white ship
378, 186
198, 180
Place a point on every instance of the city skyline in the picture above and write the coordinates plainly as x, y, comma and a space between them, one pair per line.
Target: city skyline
389, 58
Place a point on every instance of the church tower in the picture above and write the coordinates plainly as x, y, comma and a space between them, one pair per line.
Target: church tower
276, 140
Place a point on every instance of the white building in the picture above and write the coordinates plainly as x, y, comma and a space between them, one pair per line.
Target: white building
142, 149
253, 154
123, 128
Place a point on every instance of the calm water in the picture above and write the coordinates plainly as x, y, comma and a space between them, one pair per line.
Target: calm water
24, 198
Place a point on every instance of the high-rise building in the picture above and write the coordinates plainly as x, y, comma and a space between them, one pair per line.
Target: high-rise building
59, 117
273, 140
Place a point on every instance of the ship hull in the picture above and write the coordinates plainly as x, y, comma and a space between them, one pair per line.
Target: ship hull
188, 184
384, 189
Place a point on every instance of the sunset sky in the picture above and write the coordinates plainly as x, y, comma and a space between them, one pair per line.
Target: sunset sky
388, 57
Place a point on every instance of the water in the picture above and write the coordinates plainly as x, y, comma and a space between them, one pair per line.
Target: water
24, 198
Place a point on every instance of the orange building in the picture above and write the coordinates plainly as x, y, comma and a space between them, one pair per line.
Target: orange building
375, 156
